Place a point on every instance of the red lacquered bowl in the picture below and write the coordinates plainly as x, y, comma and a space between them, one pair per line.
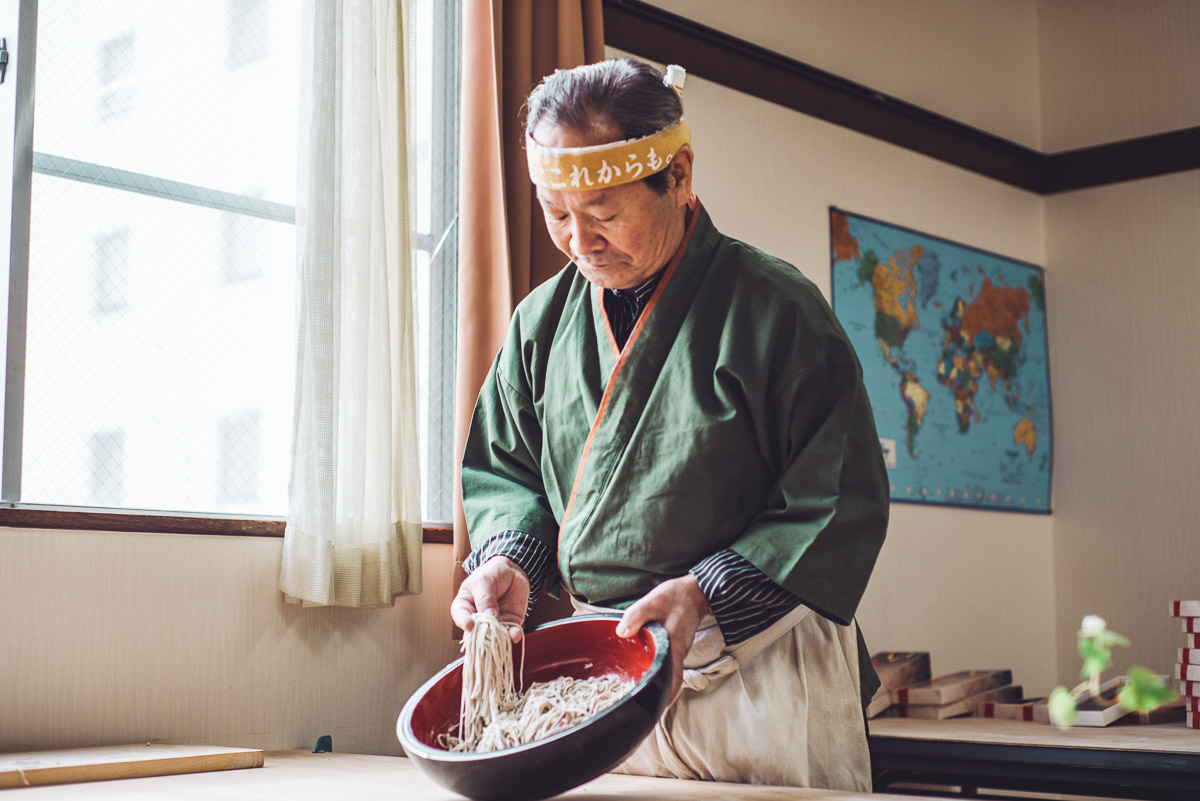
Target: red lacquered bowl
579, 647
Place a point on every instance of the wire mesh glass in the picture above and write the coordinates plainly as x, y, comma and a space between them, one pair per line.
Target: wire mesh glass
160, 335
160, 356
433, 35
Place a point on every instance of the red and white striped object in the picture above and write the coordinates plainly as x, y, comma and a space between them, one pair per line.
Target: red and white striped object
1187, 672
1017, 710
1185, 608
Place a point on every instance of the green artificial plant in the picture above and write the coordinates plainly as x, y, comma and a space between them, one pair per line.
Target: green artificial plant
1143, 691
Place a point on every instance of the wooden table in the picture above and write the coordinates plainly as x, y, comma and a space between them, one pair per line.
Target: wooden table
1118, 761
300, 776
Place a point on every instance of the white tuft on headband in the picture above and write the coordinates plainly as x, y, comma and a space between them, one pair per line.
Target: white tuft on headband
675, 77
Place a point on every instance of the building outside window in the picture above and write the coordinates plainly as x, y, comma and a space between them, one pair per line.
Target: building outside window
106, 468
246, 21
243, 242
238, 456
115, 71
111, 258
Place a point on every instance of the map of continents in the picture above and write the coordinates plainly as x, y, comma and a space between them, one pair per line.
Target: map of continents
953, 346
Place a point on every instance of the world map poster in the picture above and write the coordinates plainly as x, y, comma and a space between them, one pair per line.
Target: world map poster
953, 346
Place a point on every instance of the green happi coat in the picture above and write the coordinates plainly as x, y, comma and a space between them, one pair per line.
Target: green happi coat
735, 417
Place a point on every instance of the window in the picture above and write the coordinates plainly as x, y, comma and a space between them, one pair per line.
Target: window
238, 459
159, 334
243, 241
106, 468
247, 26
111, 257
115, 72
435, 82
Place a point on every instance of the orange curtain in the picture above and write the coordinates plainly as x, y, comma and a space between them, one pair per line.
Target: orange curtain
504, 251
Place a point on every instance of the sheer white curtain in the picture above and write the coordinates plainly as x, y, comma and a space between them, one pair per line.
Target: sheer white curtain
353, 535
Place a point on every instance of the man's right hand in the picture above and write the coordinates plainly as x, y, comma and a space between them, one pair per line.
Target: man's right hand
498, 587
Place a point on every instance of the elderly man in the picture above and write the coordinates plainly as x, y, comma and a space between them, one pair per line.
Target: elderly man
676, 426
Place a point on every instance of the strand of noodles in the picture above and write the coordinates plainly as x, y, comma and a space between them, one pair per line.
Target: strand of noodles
549, 707
488, 687
493, 716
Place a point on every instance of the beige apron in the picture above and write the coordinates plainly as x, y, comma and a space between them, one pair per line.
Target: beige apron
781, 708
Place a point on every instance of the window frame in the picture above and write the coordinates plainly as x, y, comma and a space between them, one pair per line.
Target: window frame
14, 513
71, 518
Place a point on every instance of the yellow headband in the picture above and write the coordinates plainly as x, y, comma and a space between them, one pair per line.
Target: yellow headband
582, 169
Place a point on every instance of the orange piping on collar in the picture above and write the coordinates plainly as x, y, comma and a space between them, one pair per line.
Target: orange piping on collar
622, 359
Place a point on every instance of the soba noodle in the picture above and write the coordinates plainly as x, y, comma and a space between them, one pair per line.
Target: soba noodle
492, 715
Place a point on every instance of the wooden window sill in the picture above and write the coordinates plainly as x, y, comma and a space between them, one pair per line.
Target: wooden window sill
81, 519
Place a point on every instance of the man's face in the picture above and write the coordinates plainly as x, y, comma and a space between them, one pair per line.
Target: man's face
620, 236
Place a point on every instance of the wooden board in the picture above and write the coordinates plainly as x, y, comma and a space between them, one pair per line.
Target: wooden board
120, 762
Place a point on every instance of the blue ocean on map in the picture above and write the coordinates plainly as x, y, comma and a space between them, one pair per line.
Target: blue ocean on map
954, 350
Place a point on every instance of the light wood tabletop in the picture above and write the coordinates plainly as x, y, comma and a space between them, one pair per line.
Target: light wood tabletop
1162, 737
300, 776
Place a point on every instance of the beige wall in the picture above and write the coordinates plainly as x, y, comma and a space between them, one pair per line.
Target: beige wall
975, 62
1125, 347
1117, 69
119, 638
1124, 343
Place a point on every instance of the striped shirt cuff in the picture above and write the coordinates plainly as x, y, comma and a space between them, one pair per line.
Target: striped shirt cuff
528, 552
742, 598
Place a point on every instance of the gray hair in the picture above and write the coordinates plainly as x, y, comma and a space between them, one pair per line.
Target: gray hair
623, 93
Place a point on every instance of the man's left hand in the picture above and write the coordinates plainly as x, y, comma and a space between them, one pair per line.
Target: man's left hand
679, 605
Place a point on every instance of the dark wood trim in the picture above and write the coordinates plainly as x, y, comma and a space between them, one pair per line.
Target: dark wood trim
72, 518
442, 533
77, 519
644, 30
650, 32
1129, 160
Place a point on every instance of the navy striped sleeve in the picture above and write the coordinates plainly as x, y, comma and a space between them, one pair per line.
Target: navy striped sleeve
528, 552
742, 598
